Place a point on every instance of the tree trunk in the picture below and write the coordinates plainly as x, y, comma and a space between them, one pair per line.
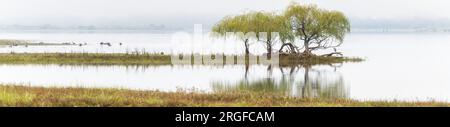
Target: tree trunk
306, 44
247, 51
269, 51
307, 51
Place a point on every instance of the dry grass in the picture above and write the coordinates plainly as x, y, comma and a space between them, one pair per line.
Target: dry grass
95, 97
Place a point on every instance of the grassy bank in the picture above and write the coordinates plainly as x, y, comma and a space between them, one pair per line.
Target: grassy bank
136, 59
49, 97
10, 42
84, 58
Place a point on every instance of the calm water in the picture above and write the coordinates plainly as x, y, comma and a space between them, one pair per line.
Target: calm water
398, 66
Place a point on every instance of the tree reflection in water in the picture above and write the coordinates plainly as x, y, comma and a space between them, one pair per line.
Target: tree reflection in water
295, 81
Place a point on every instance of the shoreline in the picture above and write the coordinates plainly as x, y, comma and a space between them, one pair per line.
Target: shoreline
14, 43
144, 59
26, 96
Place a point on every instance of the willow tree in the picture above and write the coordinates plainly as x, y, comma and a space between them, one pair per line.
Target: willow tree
264, 27
317, 28
240, 24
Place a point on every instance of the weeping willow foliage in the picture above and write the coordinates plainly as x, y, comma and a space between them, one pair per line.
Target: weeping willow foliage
316, 28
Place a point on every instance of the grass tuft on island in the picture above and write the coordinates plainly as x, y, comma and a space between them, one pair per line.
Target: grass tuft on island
26, 96
140, 59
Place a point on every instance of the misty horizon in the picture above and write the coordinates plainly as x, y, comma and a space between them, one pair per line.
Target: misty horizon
177, 14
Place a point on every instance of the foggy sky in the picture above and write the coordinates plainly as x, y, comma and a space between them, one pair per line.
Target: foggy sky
176, 12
